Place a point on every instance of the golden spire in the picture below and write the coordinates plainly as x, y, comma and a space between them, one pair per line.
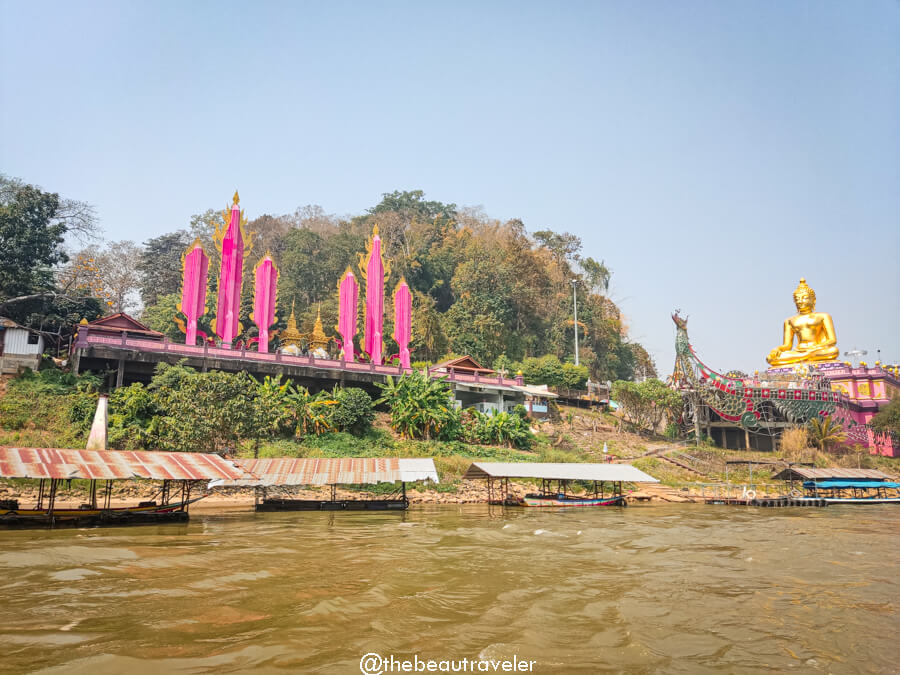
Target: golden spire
237, 199
318, 338
375, 229
290, 335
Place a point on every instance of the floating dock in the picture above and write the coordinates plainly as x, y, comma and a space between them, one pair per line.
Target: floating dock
286, 474
771, 502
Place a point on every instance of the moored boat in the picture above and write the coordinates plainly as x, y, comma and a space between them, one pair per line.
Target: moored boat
11, 515
543, 500
179, 472
603, 483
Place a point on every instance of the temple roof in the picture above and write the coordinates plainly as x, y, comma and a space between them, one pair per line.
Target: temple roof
463, 364
120, 323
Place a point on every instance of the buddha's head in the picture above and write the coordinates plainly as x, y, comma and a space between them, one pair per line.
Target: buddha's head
804, 298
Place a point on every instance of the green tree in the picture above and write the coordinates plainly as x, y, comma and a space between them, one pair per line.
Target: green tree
646, 404
161, 315
547, 369
888, 418
421, 407
160, 265
31, 242
203, 412
575, 377
33, 225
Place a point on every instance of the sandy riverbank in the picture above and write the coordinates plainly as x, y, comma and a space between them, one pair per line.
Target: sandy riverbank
469, 492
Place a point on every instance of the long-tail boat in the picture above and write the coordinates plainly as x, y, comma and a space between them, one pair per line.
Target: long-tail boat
179, 473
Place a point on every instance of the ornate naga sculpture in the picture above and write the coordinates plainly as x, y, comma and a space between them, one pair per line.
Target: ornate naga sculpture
753, 401
814, 330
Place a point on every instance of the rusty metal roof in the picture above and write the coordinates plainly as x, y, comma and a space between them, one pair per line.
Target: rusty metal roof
327, 471
571, 471
115, 464
838, 473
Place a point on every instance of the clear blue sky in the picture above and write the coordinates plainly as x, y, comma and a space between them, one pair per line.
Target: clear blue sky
711, 152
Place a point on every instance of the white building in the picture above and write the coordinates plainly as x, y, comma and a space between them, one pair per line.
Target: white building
20, 347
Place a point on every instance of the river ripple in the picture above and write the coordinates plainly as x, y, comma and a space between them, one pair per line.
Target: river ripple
676, 589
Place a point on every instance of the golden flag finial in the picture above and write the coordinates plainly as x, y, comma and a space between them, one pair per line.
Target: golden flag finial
236, 199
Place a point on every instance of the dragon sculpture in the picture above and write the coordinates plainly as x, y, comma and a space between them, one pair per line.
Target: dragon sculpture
760, 401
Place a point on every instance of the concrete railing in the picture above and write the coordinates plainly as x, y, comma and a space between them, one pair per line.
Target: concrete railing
86, 339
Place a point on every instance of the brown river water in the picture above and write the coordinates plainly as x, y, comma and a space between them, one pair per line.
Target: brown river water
674, 589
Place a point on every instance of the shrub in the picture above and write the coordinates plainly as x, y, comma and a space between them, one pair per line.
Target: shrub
354, 411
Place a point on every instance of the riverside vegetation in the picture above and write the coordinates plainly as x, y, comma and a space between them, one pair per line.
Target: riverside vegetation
181, 409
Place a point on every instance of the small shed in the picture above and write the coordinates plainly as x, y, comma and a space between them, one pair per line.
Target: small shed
537, 400
20, 347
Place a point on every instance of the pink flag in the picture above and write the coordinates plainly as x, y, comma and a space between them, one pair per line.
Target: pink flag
403, 321
265, 295
348, 300
195, 274
231, 245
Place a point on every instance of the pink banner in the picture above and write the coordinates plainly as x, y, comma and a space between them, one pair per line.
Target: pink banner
403, 320
348, 302
265, 295
195, 275
375, 277
231, 245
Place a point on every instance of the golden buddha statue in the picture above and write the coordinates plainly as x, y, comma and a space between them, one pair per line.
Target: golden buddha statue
814, 330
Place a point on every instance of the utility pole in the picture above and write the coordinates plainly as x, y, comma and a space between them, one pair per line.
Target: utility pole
575, 300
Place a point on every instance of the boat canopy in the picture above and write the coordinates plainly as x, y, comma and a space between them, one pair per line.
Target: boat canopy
63, 464
833, 473
865, 484
600, 472
328, 471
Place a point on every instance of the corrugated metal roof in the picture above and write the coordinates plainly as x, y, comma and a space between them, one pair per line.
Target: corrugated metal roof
114, 464
835, 472
327, 471
604, 472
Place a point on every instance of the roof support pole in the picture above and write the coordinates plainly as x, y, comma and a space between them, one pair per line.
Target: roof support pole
53, 484
93, 494
107, 499
40, 499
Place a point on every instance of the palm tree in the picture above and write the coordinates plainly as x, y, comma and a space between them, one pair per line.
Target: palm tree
824, 431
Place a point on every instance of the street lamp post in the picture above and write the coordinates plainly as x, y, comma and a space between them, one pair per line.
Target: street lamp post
575, 301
